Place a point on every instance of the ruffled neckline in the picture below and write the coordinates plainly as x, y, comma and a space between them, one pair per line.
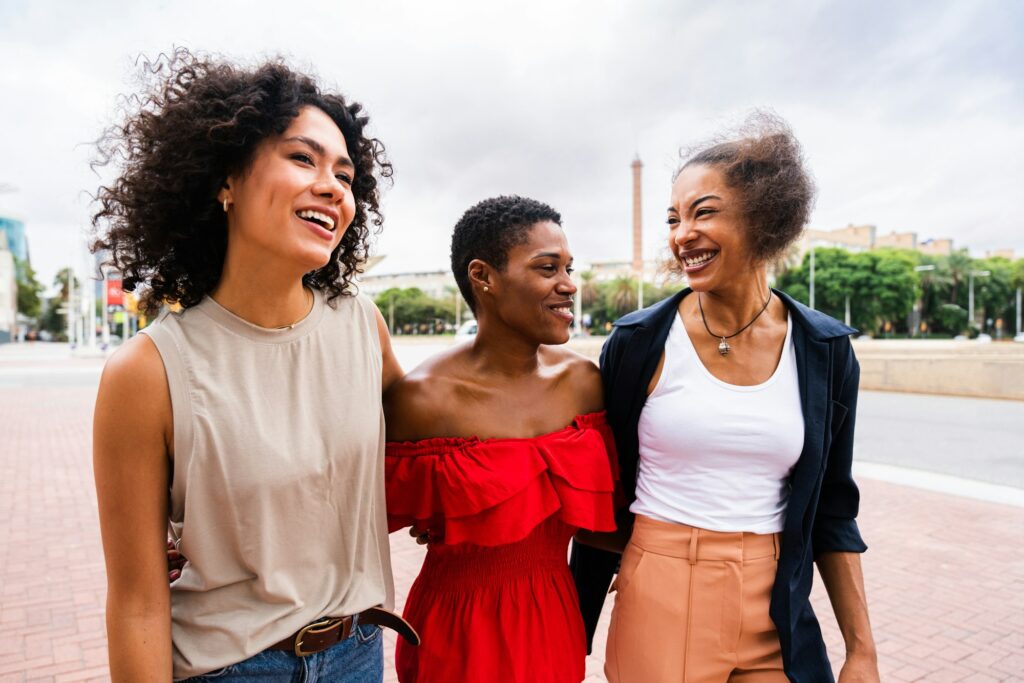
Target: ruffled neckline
495, 491
585, 421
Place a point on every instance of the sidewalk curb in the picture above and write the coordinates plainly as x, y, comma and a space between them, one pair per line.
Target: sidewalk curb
941, 483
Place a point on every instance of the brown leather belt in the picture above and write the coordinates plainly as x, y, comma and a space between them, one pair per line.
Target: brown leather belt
329, 631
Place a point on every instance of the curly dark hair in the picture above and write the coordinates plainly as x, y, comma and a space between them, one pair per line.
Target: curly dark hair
197, 122
489, 229
764, 162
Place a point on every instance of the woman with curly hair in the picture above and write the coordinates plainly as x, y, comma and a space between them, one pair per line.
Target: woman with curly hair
733, 410
251, 419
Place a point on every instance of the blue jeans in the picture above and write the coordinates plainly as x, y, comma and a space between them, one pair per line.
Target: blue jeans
357, 659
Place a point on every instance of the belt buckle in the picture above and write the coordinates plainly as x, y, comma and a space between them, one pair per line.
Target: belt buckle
317, 627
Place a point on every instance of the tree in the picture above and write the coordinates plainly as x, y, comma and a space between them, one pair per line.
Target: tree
414, 310
959, 265
54, 318
619, 297
880, 285
994, 294
29, 289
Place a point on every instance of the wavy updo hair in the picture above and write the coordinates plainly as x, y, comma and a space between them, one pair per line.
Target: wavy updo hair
197, 122
764, 163
489, 229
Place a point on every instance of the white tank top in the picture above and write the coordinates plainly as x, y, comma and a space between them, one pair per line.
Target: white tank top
714, 455
277, 496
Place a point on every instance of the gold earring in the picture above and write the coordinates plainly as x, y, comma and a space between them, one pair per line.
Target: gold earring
225, 204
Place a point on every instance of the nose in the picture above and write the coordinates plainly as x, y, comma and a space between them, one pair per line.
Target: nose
685, 232
329, 187
566, 285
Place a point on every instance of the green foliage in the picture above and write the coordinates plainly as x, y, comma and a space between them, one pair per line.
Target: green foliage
884, 287
29, 290
606, 302
409, 310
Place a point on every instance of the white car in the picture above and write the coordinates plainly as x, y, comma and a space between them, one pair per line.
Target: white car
467, 330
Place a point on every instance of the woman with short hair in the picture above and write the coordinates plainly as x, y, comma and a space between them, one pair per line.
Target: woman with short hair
499, 449
733, 409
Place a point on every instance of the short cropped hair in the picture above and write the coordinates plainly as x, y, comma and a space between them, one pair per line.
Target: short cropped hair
489, 229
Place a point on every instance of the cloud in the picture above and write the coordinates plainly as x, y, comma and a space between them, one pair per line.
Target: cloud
910, 113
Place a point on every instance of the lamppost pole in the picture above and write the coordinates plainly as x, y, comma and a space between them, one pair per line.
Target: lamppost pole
1019, 336
812, 276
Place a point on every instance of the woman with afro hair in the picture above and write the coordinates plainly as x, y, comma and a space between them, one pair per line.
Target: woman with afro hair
251, 418
733, 408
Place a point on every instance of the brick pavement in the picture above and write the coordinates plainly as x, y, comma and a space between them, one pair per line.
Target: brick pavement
945, 575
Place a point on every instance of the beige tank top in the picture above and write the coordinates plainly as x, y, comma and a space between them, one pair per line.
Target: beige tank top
277, 495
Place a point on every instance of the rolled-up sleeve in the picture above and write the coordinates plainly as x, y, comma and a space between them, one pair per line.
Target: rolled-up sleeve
835, 524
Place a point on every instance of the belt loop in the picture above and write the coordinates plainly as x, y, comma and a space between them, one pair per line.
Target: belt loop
692, 557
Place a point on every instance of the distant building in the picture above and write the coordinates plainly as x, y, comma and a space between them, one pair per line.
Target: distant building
605, 271
8, 292
17, 243
436, 283
936, 247
1005, 253
865, 238
897, 240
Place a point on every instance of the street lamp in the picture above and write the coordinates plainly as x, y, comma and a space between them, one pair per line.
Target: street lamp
970, 292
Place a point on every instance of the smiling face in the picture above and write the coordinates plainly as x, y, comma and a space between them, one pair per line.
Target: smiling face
295, 200
534, 293
707, 234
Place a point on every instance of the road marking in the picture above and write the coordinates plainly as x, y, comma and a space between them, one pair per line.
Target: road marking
941, 483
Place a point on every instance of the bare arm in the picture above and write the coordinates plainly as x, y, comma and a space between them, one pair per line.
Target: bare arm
392, 370
131, 436
844, 581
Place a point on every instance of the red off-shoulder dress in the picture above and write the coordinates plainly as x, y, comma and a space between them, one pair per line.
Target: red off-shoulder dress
494, 600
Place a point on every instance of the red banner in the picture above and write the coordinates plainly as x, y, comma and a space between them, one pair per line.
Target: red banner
115, 295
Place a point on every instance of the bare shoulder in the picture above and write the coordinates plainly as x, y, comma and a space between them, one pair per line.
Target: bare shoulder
134, 376
414, 406
135, 370
578, 375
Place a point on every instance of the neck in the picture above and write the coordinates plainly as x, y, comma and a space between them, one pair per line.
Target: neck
261, 292
732, 306
499, 350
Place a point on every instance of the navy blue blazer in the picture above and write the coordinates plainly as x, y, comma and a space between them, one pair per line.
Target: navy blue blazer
822, 509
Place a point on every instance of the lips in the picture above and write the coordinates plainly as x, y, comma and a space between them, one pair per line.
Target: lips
563, 310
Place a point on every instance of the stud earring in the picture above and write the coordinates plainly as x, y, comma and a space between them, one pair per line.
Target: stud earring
486, 288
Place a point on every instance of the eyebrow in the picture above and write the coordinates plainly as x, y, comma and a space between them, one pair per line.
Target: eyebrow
696, 202
319, 149
547, 254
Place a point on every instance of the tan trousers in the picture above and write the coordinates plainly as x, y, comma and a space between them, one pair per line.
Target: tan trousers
691, 606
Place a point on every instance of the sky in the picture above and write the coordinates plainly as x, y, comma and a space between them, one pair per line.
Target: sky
911, 114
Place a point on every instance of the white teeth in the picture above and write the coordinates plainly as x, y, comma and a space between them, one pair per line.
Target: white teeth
697, 260
317, 216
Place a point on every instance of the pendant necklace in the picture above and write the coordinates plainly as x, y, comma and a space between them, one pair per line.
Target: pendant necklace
723, 346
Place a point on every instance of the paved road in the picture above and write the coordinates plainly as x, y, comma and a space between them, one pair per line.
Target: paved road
944, 574
972, 438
